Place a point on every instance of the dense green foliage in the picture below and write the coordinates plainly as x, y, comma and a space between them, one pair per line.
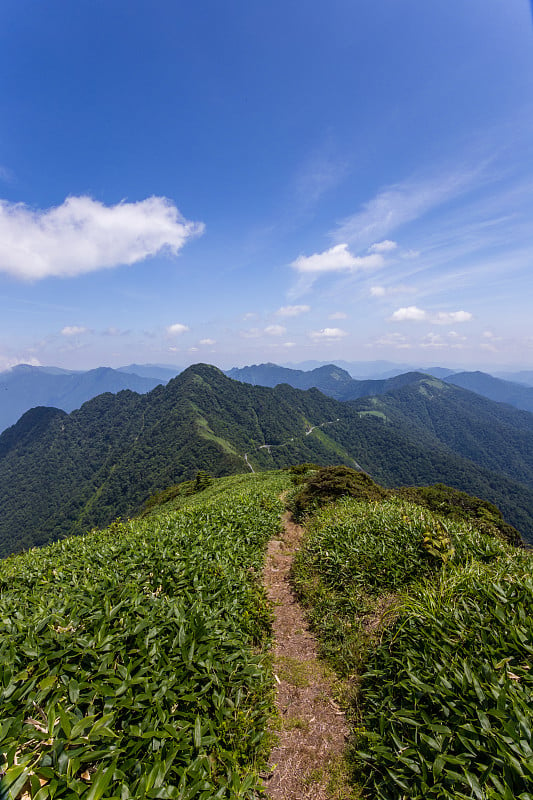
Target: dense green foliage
318, 486
326, 484
458, 505
436, 618
62, 474
129, 658
448, 694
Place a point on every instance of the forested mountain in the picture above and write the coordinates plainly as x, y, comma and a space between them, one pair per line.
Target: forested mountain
65, 473
493, 435
330, 380
24, 387
501, 391
524, 376
337, 383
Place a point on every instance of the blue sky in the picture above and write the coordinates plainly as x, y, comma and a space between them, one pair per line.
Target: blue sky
242, 182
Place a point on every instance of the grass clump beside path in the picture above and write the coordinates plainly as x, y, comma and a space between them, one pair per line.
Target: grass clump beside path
433, 621
129, 657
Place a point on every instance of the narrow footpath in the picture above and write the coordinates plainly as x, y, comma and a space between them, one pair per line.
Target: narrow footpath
312, 728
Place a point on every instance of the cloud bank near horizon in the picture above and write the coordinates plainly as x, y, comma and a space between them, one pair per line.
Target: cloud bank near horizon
83, 235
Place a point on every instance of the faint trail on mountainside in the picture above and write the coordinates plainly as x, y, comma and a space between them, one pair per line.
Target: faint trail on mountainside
268, 447
313, 729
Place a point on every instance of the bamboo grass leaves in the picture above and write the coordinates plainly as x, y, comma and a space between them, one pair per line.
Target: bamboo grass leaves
128, 657
436, 617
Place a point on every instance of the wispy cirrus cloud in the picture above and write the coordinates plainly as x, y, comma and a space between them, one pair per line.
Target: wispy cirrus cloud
83, 235
320, 173
386, 291
401, 203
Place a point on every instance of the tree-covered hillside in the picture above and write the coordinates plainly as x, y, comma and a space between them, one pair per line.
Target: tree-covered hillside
24, 387
63, 474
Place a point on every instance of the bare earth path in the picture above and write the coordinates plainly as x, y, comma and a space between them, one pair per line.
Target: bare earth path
312, 728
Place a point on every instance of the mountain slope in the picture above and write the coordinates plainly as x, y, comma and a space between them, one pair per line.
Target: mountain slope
25, 387
494, 436
495, 389
329, 379
62, 474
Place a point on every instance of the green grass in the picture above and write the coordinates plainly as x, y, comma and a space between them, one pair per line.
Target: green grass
130, 658
433, 621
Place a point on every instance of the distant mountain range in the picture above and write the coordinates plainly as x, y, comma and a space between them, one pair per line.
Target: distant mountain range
502, 391
338, 383
65, 473
24, 387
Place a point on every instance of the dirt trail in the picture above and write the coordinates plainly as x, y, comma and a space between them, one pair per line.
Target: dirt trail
313, 729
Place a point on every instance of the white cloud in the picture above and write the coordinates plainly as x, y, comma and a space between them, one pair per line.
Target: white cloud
338, 315
292, 311
289, 344
208, 342
378, 291
409, 313
83, 235
336, 259
383, 247
275, 330
7, 362
74, 330
415, 314
177, 329
328, 333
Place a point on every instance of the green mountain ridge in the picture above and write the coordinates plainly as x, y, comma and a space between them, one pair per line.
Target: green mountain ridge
25, 386
66, 473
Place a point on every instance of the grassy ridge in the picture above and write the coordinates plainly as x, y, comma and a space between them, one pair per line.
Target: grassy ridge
434, 619
128, 657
